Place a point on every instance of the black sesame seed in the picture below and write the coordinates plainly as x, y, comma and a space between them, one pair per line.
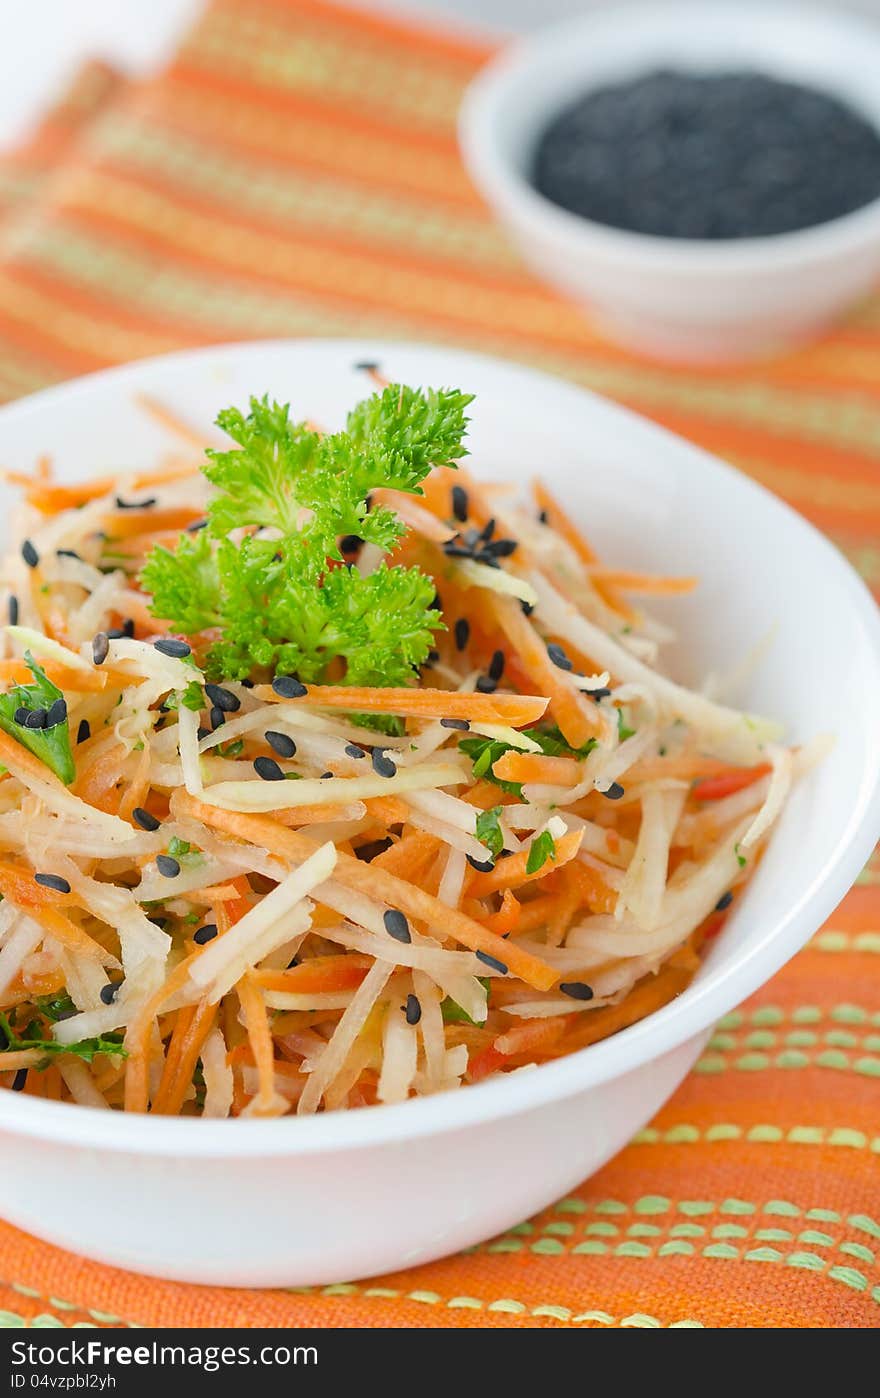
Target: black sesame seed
460, 503
19, 1082
382, 764
280, 743
454, 549
288, 687
57, 713
223, 698
135, 504
433, 657
196, 525
203, 733
114, 633
12, 609
128, 627
724, 901
110, 991
501, 548
84, 731
53, 881
205, 934
21, 716
558, 656
577, 990
461, 724
36, 719
350, 543
326, 775
491, 961
368, 366
217, 716
396, 925
354, 750
482, 866
29, 554
486, 685
543, 517
487, 530
100, 647
614, 792
170, 645
412, 1009
167, 865
462, 632
496, 665
68, 553
597, 694
436, 604
527, 607
144, 819
267, 769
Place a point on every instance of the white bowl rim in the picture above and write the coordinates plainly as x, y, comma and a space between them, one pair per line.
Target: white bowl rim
700, 1006
510, 72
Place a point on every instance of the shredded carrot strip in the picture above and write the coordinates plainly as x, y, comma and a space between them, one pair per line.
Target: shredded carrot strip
317, 975
260, 1036
530, 767
51, 499
164, 415
571, 711
716, 788
138, 787
641, 582
515, 710
511, 872
195, 1026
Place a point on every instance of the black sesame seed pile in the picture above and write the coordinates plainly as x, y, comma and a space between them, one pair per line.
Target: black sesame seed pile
720, 155
477, 545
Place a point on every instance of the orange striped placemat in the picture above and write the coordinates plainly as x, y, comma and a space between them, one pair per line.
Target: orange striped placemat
296, 173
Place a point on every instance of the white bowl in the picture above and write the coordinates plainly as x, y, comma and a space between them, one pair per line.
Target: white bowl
348, 1194
678, 299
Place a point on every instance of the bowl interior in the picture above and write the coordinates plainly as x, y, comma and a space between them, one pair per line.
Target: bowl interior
537, 79
646, 500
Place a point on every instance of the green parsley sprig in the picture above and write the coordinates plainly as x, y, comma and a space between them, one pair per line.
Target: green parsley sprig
267, 573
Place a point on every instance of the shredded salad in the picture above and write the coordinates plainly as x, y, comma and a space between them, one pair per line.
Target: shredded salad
332, 777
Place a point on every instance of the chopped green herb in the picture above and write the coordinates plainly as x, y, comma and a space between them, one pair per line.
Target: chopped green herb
55, 1007
740, 858
489, 830
623, 729
190, 698
454, 1014
542, 848
485, 752
86, 1049
50, 745
230, 749
275, 601
178, 848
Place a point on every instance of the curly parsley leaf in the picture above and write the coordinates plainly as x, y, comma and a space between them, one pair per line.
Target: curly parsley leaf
190, 698
281, 602
50, 745
542, 848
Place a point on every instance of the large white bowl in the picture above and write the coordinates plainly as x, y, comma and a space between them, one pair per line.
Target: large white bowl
351, 1194
678, 298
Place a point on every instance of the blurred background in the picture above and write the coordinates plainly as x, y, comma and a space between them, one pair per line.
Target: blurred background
49, 39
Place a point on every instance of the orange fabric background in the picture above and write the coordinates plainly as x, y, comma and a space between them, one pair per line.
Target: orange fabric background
296, 172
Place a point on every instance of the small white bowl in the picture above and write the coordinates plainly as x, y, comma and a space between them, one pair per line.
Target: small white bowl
349, 1194
677, 299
